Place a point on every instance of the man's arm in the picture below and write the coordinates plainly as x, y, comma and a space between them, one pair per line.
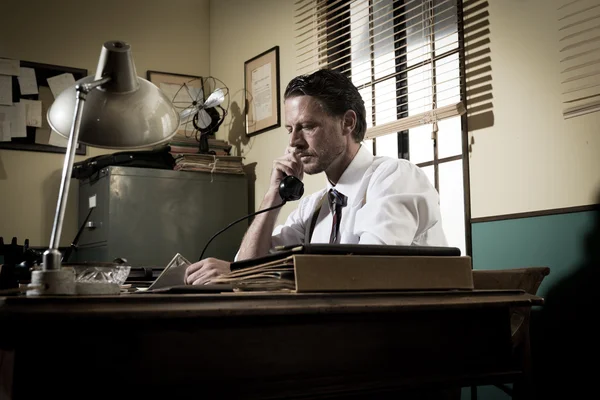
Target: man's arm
257, 240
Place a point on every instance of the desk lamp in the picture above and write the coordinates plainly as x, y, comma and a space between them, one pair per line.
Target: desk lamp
123, 111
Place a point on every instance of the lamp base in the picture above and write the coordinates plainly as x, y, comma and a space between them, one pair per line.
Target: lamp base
52, 282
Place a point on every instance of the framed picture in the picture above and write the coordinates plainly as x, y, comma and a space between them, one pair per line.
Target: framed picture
261, 80
33, 92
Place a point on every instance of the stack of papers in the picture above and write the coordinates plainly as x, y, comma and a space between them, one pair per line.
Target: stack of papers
274, 275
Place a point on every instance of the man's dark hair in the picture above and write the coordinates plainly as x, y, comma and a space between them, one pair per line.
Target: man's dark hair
335, 92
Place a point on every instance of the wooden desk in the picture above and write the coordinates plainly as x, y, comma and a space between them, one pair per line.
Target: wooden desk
257, 345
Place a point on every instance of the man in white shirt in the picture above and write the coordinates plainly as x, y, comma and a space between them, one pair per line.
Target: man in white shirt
377, 200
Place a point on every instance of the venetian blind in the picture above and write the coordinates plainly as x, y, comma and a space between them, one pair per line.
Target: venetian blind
403, 55
580, 56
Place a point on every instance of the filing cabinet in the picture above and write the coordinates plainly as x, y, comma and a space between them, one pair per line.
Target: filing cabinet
148, 215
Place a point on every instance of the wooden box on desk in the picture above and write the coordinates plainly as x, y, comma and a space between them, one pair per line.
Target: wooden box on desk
330, 273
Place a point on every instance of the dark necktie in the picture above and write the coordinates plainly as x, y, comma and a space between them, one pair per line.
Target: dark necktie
336, 201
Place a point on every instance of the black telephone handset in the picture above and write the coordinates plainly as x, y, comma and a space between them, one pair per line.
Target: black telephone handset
291, 188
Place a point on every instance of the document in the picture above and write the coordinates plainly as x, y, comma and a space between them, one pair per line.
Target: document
6, 90
57, 140
33, 112
27, 81
42, 134
13, 121
4, 130
6, 117
9, 67
60, 82
273, 275
18, 127
173, 274
261, 92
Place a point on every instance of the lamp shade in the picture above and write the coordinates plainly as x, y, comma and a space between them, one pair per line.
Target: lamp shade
127, 112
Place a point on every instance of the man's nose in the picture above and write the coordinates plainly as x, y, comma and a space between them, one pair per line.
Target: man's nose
296, 139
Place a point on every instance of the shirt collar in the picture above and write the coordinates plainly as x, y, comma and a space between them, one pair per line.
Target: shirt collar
348, 182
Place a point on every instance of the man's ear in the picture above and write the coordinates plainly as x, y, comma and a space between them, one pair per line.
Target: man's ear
348, 122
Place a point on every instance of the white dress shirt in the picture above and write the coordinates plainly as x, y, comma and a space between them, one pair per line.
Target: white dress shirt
390, 201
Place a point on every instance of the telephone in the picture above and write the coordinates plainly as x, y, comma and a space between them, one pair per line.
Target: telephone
291, 188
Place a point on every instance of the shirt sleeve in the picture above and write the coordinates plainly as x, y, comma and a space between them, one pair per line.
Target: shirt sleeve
400, 205
294, 229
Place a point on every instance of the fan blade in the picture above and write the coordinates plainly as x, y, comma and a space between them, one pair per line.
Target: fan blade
204, 119
196, 94
187, 113
215, 98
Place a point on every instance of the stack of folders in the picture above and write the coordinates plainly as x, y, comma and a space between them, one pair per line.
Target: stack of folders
209, 163
339, 268
273, 275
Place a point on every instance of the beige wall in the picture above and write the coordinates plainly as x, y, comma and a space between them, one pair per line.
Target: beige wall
167, 36
531, 159
239, 31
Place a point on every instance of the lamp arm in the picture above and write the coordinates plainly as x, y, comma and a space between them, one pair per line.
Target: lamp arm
52, 256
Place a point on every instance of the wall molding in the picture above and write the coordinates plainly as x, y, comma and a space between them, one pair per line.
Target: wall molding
541, 213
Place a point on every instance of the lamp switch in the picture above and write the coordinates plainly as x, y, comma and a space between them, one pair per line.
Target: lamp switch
92, 201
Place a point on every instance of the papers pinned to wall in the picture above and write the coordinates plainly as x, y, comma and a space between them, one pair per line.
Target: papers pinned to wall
27, 90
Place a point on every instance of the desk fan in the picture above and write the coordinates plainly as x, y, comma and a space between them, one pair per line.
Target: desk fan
202, 116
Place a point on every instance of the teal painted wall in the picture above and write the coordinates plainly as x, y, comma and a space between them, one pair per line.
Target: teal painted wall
562, 331
555, 241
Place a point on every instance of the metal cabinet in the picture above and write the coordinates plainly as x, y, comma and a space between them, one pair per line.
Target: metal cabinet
148, 215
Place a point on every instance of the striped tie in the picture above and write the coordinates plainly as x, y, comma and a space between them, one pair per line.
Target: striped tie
336, 201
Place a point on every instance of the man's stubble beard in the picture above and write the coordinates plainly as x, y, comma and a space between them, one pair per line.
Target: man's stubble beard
323, 161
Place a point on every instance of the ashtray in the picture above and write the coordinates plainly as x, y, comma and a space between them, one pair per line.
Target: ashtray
92, 277
100, 272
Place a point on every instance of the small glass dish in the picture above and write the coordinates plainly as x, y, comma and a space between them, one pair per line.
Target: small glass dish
100, 272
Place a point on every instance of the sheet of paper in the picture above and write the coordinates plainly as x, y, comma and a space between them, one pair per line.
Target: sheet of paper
60, 82
57, 140
6, 117
33, 112
173, 274
261, 92
42, 135
46, 135
6, 90
27, 81
5, 131
18, 127
9, 67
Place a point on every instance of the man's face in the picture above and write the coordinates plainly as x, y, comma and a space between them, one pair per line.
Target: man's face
317, 136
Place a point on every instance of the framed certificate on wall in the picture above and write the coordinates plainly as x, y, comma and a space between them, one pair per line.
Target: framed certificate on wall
261, 84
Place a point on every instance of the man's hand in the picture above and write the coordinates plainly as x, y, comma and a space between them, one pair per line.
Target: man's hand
202, 272
288, 164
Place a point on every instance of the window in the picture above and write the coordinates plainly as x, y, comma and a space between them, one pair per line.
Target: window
407, 59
